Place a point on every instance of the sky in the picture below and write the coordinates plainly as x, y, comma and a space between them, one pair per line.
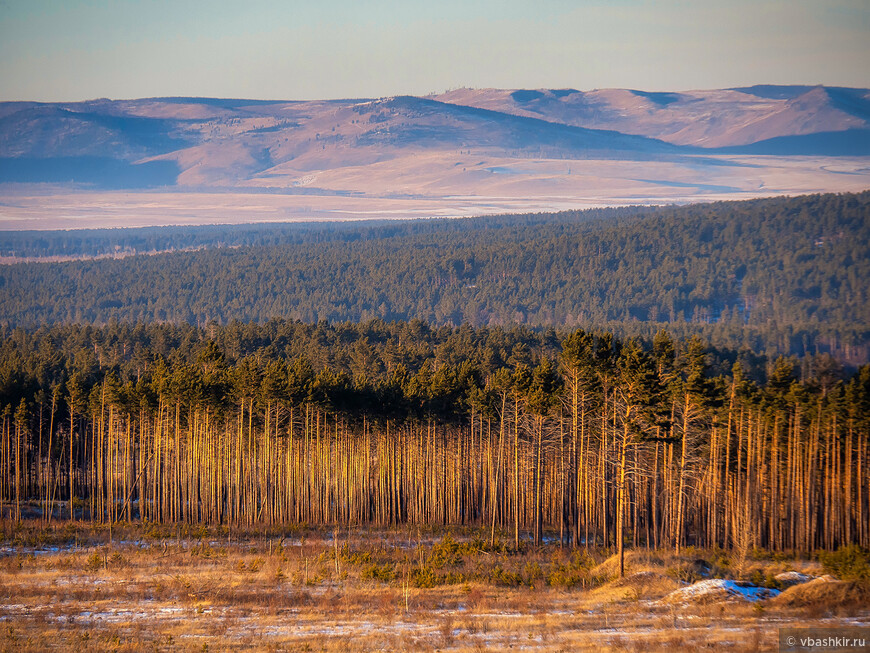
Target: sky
68, 50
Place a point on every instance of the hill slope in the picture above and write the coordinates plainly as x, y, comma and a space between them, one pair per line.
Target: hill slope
710, 119
460, 153
787, 271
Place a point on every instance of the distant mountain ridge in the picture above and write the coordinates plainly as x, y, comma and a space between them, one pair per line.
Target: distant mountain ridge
228, 143
710, 119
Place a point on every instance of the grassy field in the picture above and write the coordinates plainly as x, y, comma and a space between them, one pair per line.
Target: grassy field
81, 587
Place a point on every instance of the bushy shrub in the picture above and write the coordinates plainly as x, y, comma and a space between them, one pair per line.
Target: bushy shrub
533, 573
205, 550
761, 579
94, 561
383, 573
354, 557
574, 572
499, 576
446, 553
118, 561
850, 562
566, 576
684, 573
424, 577
581, 559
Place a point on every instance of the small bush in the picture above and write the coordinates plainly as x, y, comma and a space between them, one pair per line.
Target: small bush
533, 573
452, 578
424, 577
684, 574
721, 559
499, 576
384, 573
354, 557
850, 562
205, 550
427, 577
761, 554
446, 553
581, 559
35, 539
761, 579
198, 532
153, 531
564, 576
118, 561
94, 561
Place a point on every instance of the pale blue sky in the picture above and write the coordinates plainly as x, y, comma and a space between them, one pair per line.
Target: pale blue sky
82, 49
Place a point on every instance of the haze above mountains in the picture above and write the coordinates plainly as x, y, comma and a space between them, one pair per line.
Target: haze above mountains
464, 152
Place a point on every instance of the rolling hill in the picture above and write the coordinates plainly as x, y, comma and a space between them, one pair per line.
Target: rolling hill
709, 119
780, 275
463, 152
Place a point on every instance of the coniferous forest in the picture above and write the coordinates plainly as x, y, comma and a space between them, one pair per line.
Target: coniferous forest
621, 432
574, 435
779, 276
394, 397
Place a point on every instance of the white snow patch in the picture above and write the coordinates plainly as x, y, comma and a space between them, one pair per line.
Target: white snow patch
789, 578
714, 588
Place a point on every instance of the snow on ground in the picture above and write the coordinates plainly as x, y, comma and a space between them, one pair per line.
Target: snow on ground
715, 589
789, 578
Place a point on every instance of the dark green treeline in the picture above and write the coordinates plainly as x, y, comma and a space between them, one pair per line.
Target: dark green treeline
578, 435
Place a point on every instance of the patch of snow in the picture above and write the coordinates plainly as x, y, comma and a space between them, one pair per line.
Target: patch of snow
789, 578
80, 580
827, 578
719, 587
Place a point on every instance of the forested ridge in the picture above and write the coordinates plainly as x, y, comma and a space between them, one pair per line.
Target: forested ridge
786, 275
590, 438
101, 242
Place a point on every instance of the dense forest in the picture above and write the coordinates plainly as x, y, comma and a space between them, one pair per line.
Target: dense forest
783, 275
146, 240
576, 435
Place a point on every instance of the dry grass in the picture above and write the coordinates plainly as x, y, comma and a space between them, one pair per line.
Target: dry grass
825, 592
640, 586
166, 589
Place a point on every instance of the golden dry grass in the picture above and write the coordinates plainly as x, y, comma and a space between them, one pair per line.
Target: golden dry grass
168, 589
825, 591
